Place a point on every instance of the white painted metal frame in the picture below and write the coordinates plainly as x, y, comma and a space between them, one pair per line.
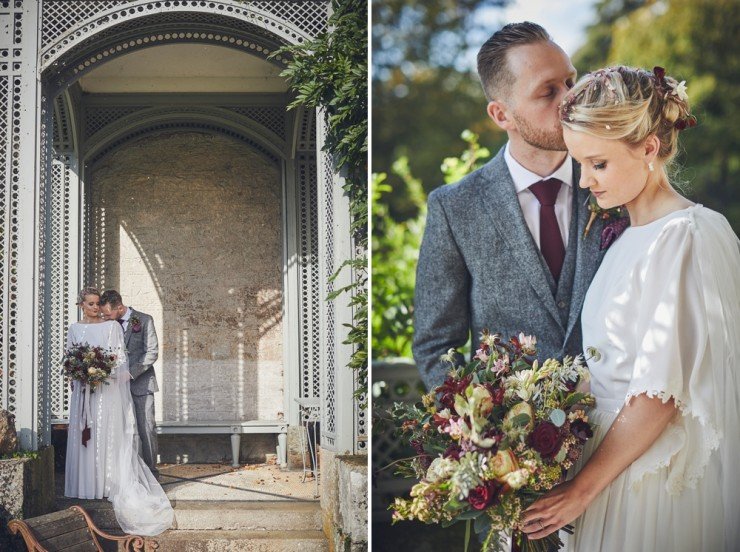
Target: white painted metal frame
56, 41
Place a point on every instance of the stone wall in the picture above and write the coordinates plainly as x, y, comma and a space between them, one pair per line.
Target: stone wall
188, 227
26, 491
344, 501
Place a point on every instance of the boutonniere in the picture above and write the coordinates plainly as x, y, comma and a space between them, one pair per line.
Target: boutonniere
135, 324
616, 220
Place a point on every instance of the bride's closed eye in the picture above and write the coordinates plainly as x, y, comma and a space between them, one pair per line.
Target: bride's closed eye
600, 166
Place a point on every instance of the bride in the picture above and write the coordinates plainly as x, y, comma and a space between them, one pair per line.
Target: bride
103, 461
663, 310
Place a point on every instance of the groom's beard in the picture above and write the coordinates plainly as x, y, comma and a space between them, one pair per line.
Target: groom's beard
551, 140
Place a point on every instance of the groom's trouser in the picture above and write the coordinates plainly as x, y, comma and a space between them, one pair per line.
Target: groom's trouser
144, 410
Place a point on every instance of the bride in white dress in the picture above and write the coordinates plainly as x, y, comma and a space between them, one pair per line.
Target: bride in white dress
108, 464
660, 472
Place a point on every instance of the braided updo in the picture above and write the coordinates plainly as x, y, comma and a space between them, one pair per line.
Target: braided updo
629, 104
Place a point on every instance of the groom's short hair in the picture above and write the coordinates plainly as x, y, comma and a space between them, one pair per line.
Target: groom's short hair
493, 70
111, 297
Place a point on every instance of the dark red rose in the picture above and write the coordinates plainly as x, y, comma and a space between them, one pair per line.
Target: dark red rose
453, 451
440, 421
448, 400
581, 429
484, 496
545, 439
451, 387
571, 385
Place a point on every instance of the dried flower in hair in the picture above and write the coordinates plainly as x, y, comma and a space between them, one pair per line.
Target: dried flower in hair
679, 89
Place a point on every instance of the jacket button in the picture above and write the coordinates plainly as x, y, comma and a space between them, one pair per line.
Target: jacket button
561, 304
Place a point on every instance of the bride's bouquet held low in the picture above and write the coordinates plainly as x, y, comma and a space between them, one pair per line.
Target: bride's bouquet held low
496, 435
88, 365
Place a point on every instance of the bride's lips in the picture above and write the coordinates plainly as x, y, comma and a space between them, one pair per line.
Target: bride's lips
598, 194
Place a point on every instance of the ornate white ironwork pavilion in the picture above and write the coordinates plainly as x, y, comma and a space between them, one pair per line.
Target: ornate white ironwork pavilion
50, 137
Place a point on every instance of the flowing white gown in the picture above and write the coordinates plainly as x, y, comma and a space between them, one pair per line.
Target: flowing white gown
663, 312
110, 466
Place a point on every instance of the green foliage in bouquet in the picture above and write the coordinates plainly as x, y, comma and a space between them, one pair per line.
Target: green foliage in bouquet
495, 436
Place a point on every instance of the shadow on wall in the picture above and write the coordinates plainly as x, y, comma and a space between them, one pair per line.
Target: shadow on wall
188, 227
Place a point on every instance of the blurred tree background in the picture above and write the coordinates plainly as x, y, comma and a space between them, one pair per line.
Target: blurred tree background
426, 93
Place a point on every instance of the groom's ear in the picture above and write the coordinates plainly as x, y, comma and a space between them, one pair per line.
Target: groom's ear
497, 111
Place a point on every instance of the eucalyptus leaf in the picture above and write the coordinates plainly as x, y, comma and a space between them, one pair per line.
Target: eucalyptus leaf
557, 417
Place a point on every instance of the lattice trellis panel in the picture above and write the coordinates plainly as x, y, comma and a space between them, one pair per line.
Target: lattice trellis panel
62, 279
59, 16
97, 118
270, 117
45, 244
310, 291
329, 394
7, 392
11, 131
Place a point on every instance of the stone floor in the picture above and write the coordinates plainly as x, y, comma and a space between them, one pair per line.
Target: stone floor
223, 509
261, 482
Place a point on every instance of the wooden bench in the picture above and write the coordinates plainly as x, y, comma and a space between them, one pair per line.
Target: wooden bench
235, 429
72, 530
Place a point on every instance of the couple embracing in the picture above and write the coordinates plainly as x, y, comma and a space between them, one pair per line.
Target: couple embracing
513, 247
112, 444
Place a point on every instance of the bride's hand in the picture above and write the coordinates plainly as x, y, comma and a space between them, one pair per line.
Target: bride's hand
557, 508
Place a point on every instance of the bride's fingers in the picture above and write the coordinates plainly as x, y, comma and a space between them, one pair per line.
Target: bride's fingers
542, 532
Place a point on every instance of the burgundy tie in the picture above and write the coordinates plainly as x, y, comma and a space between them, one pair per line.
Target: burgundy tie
551, 242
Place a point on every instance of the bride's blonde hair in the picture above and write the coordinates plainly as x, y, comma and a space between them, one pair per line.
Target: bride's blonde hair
84, 292
629, 104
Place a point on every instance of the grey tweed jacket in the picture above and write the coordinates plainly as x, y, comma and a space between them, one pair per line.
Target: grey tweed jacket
143, 350
479, 267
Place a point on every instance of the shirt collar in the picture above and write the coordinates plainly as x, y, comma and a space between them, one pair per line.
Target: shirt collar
126, 315
524, 178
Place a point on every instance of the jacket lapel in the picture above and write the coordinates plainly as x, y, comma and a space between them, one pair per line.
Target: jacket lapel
502, 207
127, 333
588, 257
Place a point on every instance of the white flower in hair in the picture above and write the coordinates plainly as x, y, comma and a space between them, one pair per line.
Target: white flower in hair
679, 89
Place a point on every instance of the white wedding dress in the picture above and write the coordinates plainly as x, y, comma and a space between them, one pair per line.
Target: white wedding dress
663, 310
110, 466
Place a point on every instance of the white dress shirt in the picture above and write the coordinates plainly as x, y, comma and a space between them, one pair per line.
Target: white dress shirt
127, 314
524, 178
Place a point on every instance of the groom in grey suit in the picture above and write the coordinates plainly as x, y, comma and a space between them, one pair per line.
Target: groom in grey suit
504, 248
143, 349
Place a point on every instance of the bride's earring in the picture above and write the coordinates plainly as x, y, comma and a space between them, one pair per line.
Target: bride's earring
651, 168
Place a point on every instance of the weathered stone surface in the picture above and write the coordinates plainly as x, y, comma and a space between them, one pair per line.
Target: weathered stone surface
26, 490
353, 496
344, 501
188, 227
205, 449
8, 436
296, 456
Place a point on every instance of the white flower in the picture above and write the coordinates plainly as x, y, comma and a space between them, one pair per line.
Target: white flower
440, 469
517, 478
528, 342
679, 89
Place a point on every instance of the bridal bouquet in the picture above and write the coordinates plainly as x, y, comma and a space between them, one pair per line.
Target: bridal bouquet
494, 437
89, 365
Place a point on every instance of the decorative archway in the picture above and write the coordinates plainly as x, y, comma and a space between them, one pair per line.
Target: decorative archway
53, 43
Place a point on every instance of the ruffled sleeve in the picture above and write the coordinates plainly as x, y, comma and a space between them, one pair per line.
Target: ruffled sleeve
685, 335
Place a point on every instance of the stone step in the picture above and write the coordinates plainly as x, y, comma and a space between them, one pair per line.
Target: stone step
242, 541
247, 516
196, 515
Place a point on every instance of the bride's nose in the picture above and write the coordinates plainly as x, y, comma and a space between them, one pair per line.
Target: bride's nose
585, 181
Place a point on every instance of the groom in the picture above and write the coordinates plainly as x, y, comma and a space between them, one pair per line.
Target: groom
504, 248
143, 349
